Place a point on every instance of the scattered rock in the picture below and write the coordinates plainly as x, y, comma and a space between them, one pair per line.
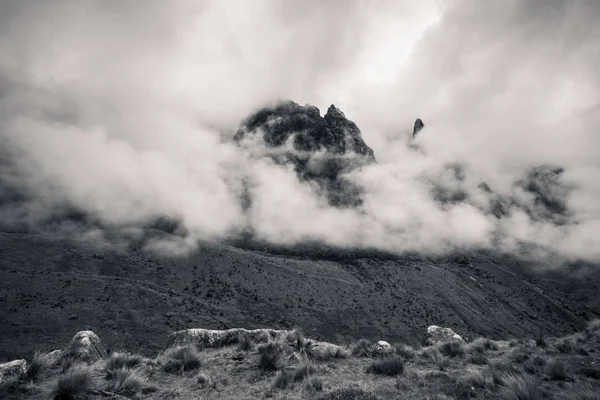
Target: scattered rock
217, 338
85, 346
323, 350
437, 334
54, 356
13, 369
382, 345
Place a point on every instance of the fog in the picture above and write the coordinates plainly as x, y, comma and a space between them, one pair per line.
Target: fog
126, 111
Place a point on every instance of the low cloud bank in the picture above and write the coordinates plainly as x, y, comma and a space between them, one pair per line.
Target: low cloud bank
124, 117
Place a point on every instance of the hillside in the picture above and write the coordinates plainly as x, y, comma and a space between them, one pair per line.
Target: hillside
133, 300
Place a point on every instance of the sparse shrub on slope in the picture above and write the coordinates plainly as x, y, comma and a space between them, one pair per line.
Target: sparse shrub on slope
77, 383
521, 387
180, 359
391, 366
348, 394
37, 368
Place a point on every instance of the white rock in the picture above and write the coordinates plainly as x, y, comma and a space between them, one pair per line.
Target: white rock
217, 338
437, 334
85, 346
13, 369
382, 345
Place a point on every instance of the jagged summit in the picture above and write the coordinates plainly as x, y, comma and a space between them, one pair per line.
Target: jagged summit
323, 148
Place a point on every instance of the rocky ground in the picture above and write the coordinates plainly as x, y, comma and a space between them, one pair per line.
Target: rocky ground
263, 364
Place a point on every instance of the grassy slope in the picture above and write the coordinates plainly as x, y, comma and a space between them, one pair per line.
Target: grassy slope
234, 374
53, 288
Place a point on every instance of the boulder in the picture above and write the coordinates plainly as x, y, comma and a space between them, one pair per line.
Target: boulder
437, 334
382, 345
15, 369
216, 338
85, 346
54, 356
324, 350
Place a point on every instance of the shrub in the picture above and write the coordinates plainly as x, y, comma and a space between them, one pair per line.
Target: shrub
39, 365
363, 348
406, 351
180, 359
245, 342
271, 356
452, 348
126, 382
556, 370
76, 383
520, 387
119, 360
348, 394
391, 366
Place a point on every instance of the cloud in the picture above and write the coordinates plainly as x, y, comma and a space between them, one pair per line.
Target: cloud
125, 112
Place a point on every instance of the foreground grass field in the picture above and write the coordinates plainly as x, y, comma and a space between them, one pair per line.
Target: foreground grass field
294, 367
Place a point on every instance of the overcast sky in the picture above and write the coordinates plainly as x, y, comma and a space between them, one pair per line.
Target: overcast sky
124, 108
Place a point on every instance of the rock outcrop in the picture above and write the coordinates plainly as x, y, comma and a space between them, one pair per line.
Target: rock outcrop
217, 338
15, 369
437, 334
85, 346
321, 149
418, 126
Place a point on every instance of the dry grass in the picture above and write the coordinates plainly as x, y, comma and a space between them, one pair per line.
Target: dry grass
38, 367
391, 366
77, 383
521, 387
180, 359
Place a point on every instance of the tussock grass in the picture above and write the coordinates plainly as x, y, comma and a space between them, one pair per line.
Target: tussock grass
452, 349
564, 345
405, 351
314, 384
391, 366
477, 359
38, 367
521, 387
481, 345
271, 356
348, 394
77, 383
557, 370
245, 342
180, 359
363, 348
119, 360
127, 382
287, 377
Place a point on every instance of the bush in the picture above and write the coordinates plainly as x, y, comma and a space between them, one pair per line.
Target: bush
557, 371
363, 348
180, 359
76, 383
39, 365
245, 342
126, 382
391, 366
348, 394
520, 387
452, 349
119, 360
271, 356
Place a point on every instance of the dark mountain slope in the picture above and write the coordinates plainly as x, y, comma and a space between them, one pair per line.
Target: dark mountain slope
51, 288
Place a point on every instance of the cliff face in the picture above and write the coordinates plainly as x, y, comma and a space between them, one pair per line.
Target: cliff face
322, 149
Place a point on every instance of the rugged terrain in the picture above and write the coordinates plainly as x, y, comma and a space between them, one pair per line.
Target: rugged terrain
133, 299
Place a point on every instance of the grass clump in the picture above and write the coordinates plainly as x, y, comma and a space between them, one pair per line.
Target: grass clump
285, 378
77, 383
363, 348
405, 351
271, 356
245, 342
452, 349
120, 360
556, 370
37, 368
128, 382
521, 387
593, 373
314, 384
477, 359
391, 366
564, 345
180, 359
481, 345
348, 394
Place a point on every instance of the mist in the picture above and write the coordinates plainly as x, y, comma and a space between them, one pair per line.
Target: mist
126, 112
